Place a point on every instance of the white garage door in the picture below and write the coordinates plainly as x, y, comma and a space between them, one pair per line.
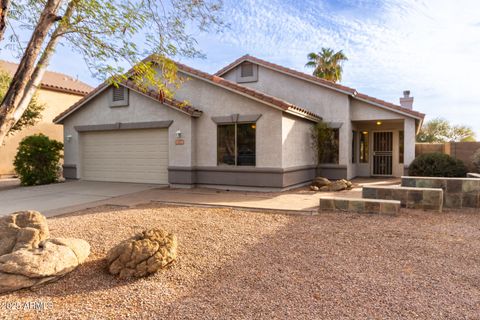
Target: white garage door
125, 155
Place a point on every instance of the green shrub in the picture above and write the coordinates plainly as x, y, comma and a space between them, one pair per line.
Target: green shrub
437, 165
38, 160
476, 160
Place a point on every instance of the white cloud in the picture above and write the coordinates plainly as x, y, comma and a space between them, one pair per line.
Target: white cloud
430, 47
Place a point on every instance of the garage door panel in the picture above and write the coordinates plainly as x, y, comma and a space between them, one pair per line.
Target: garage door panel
125, 155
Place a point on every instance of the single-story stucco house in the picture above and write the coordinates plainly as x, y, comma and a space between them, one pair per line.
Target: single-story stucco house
247, 126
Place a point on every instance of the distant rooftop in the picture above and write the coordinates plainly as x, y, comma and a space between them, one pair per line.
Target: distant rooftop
53, 80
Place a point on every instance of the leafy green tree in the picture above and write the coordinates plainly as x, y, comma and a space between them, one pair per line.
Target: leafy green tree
112, 36
327, 64
34, 109
440, 130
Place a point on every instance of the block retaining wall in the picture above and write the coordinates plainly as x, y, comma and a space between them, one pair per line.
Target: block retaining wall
458, 192
412, 198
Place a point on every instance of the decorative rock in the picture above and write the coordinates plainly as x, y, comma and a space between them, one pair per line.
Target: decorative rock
314, 188
51, 260
320, 182
22, 230
143, 254
28, 258
338, 185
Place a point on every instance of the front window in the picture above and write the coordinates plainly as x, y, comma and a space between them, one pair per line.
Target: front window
364, 147
354, 146
236, 144
401, 146
330, 147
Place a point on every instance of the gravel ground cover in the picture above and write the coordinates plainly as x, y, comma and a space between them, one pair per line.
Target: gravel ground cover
242, 265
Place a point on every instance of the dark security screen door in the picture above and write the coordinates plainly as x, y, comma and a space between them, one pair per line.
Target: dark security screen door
382, 153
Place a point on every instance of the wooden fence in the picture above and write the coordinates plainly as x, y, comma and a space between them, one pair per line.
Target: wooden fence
460, 150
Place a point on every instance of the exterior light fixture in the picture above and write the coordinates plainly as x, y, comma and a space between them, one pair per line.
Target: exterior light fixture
68, 137
253, 126
178, 134
379, 123
365, 132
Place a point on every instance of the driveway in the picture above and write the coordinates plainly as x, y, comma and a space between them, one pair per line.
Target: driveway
54, 198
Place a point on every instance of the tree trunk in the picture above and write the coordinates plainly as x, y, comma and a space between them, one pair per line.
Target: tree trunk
4, 8
26, 67
44, 61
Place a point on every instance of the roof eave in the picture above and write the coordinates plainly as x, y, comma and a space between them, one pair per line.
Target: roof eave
418, 117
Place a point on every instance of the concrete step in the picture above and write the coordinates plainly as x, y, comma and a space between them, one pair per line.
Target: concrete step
412, 198
359, 205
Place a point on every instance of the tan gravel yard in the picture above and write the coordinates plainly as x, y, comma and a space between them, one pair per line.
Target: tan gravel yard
237, 264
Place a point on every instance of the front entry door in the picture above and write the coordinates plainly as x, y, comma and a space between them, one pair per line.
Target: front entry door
382, 153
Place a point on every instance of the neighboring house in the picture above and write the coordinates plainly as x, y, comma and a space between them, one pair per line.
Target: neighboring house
248, 126
57, 92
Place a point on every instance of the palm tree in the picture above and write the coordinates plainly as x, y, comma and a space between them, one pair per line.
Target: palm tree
327, 64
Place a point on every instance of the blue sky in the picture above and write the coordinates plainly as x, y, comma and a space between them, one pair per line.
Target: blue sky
431, 47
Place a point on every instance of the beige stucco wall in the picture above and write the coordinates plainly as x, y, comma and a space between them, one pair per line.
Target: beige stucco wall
200, 134
55, 102
140, 109
332, 106
297, 148
391, 121
215, 101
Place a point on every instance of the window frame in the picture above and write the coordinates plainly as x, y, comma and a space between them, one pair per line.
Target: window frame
236, 124
354, 146
365, 156
119, 103
401, 146
244, 79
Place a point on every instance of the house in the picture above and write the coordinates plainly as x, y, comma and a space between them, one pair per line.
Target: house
57, 92
247, 126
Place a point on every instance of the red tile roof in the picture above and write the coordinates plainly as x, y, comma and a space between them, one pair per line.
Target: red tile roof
53, 80
159, 96
322, 82
269, 100
284, 105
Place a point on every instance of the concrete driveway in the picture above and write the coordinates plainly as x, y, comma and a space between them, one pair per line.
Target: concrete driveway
54, 198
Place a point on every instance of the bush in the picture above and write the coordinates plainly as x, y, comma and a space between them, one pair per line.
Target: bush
437, 165
38, 160
476, 160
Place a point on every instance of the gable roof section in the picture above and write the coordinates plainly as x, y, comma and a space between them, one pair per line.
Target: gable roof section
250, 93
324, 83
155, 95
54, 81
218, 81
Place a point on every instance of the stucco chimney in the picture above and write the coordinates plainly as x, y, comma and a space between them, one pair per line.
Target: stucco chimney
406, 101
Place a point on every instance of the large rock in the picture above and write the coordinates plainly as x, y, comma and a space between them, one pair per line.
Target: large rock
28, 258
143, 254
51, 260
320, 182
338, 185
22, 230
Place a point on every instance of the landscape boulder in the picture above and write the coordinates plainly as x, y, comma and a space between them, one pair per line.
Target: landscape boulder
22, 230
320, 182
143, 254
338, 185
29, 258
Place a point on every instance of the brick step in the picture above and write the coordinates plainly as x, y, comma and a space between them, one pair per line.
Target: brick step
359, 205
409, 197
